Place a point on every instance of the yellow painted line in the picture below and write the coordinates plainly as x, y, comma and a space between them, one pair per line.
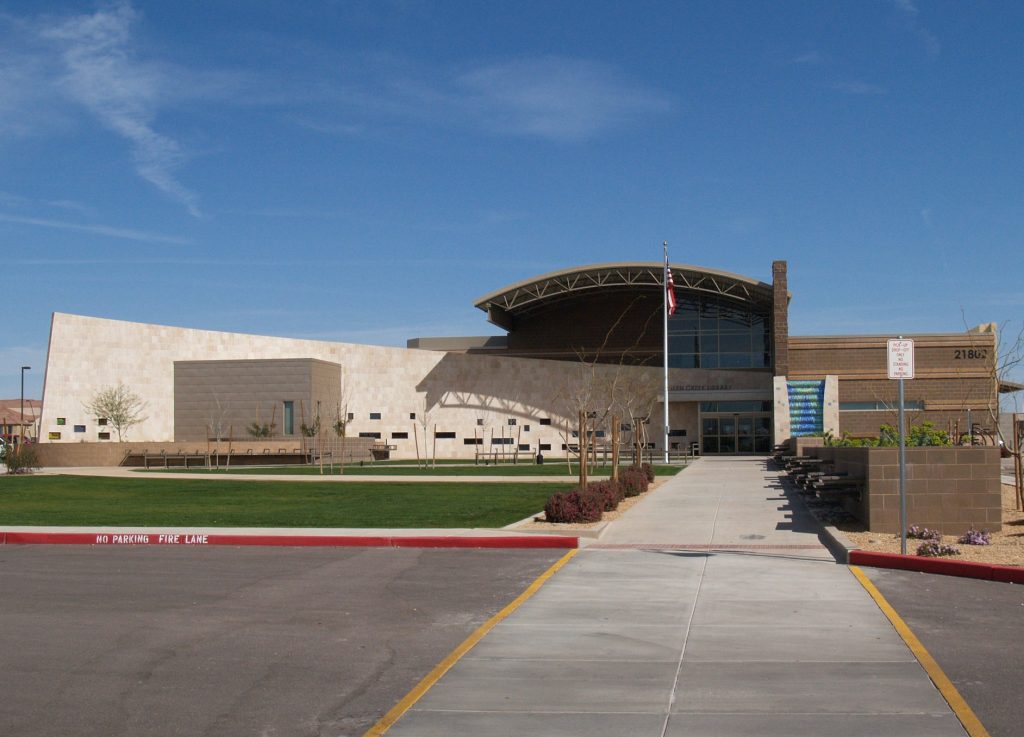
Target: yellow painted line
956, 702
421, 688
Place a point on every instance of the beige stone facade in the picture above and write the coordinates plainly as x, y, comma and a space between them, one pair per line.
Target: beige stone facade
400, 394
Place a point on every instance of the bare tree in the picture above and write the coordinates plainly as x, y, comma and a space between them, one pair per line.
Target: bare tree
120, 406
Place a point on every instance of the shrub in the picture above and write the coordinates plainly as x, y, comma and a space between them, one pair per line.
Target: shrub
574, 506
975, 537
923, 533
648, 470
21, 459
936, 549
610, 493
633, 480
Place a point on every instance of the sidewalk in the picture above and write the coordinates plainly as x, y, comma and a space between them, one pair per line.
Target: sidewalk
710, 609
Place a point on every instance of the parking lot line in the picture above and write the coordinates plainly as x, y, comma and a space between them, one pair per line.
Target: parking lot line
421, 688
956, 702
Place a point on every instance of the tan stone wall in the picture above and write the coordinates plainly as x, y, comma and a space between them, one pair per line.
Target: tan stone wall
452, 391
222, 399
948, 488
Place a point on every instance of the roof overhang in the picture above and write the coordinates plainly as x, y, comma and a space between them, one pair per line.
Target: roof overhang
505, 304
1008, 387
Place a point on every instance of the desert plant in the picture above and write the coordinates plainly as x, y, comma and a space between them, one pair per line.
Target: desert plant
923, 533
122, 407
610, 493
633, 481
574, 506
936, 549
259, 431
975, 537
21, 459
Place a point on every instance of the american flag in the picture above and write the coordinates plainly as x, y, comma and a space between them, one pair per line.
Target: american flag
670, 290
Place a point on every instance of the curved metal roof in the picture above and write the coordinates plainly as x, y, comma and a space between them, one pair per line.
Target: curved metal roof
522, 296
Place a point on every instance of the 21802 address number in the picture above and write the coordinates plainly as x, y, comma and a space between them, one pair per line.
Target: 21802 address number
962, 354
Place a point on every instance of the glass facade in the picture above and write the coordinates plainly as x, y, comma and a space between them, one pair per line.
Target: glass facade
714, 333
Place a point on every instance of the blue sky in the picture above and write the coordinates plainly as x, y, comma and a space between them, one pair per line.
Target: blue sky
363, 171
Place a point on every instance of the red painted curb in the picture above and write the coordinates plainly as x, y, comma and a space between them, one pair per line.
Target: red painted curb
330, 541
964, 569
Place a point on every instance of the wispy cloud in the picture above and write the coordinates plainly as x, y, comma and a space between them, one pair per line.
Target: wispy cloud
556, 98
810, 58
102, 73
106, 230
9, 199
908, 9
858, 88
547, 97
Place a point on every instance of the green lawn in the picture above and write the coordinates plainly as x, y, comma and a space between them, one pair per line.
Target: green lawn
393, 469
84, 500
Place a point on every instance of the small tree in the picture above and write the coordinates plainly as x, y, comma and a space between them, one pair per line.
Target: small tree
120, 406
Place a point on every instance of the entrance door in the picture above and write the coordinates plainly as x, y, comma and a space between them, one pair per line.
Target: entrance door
749, 432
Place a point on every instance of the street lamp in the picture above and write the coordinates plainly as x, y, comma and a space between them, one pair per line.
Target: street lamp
21, 427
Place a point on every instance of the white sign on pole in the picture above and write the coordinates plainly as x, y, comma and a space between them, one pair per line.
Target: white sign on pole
901, 358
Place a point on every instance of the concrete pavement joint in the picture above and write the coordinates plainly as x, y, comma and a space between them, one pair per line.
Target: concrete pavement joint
421, 688
956, 702
682, 652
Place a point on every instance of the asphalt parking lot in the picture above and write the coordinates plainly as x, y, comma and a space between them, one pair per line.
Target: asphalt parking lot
234, 641
973, 630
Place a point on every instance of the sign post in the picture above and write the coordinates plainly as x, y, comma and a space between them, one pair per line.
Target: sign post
901, 366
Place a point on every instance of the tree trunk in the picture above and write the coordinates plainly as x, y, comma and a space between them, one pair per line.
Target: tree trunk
615, 448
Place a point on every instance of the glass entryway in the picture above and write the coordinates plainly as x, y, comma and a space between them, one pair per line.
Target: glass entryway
736, 433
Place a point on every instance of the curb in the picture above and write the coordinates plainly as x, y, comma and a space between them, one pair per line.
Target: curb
142, 537
964, 569
837, 544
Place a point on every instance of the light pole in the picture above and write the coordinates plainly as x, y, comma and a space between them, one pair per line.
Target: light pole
21, 427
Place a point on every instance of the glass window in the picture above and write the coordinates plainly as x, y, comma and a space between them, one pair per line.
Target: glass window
79, 428
682, 360
289, 418
711, 444
734, 360
710, 328
710, 426
708, 344
727, 444
734, 342
62, 421
375, 415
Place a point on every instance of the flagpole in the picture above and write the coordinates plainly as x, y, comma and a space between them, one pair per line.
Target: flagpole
664, 297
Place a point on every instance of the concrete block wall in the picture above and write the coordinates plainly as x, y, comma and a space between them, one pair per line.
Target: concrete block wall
70, 455
951, 489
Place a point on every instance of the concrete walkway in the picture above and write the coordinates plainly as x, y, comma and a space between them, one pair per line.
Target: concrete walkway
710, 609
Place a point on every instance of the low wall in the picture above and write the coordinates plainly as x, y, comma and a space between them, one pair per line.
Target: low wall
951, 489
244, 452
